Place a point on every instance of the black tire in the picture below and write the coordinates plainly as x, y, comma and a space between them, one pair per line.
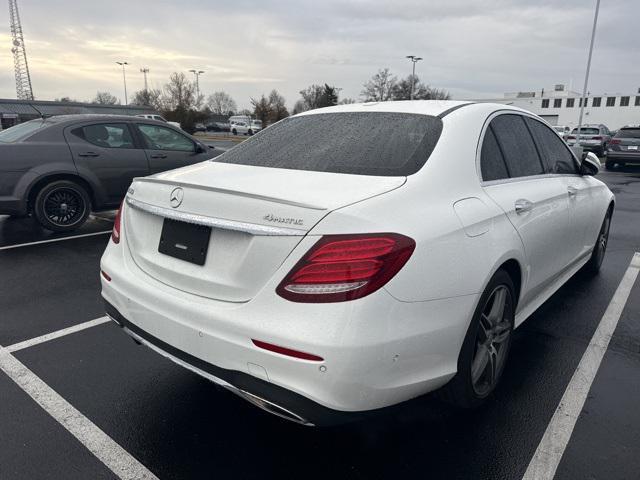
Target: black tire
463, 391
62, 206
609, 165
234, 131
250, 132
600, 248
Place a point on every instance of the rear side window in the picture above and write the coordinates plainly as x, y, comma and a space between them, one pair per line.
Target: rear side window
554, 152
106, 135
517, 146
21, 131
360, 143
628, 133
491, 160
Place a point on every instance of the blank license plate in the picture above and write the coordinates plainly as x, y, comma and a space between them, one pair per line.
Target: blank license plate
632, 147
185, 241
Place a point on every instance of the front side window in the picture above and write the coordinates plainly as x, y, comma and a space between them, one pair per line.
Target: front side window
106, 135
360, 143
517, 146
162, 138
492, 164
554, 152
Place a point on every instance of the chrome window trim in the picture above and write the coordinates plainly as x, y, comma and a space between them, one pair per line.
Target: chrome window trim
252, 228
488, 120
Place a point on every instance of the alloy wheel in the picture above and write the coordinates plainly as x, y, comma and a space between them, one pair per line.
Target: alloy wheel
64, 207
603, 239
492, 342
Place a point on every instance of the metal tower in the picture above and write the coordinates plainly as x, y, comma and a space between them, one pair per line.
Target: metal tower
24, 91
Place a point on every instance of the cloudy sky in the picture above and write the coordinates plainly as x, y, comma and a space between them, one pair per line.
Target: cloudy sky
471, 48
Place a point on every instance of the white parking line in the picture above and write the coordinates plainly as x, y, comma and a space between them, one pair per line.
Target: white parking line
116, 458
9, 247
545, 462
57, 334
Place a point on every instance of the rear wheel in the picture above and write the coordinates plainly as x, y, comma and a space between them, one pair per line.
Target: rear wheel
62, 206
609, 165
600, 248
486, 346
234, 131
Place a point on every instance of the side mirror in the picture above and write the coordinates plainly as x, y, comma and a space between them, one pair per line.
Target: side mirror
590, 164
200, 148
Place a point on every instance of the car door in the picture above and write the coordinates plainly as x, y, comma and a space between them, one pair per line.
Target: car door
107, 153
167, 148
559, 161
535, 203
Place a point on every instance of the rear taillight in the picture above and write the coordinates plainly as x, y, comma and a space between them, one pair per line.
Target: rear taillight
615, 141
115, 233
346, 267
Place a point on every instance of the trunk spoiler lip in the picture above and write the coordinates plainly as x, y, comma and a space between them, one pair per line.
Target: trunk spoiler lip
229, 191
222, 223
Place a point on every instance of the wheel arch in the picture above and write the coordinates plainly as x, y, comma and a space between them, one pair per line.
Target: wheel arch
41, 182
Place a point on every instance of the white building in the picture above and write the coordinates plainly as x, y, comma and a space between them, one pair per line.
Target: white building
560, 106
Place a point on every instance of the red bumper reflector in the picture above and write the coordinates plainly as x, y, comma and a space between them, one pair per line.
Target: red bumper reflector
287, 351
105, 275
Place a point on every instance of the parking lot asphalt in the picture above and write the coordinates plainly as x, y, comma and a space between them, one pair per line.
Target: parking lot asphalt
178, 425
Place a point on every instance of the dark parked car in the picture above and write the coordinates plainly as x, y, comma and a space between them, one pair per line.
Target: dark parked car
624, 147
61, 168
218, 127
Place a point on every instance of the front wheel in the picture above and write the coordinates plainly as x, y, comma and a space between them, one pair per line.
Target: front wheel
486, 345
600, 248
62, 206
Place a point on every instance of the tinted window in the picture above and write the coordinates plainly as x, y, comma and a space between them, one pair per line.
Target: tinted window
361, 143
517, 146
21, 131
162, 138
587, 131
628, 133
556, 155
107, 135
491, 160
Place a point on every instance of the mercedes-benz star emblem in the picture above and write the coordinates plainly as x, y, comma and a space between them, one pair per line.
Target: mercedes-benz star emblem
175, 199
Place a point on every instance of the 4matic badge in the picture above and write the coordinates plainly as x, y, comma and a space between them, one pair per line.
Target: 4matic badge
284, 220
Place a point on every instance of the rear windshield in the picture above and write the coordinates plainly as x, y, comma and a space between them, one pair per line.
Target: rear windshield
361, 143
21, 131
587, 131
628, 133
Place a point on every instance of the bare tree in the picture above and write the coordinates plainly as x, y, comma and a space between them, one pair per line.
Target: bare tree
179, 93
316, 96
402, 90
380, 87
278, 107
262, 109
221, 103
299, 107
346, 101
105, 98
151, 98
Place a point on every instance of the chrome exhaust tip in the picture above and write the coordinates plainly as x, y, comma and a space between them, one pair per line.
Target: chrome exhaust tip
272, 408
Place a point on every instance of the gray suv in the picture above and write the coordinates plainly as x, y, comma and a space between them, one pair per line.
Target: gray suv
61, 168
624, 147
593, 138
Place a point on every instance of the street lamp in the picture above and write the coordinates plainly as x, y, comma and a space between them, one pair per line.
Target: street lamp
586, 75
414, 60
124, 77
197, 73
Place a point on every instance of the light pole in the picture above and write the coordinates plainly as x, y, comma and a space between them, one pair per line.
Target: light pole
414, 60
124, 77
144, 71
197, 73
586, 75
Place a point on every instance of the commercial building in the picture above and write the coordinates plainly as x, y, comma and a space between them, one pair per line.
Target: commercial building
17, 111
560, 106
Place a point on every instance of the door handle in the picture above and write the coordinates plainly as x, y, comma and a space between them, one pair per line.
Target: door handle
572, 191
159, 155
88, 154
523, 205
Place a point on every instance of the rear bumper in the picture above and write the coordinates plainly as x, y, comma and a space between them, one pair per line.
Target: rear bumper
623, 156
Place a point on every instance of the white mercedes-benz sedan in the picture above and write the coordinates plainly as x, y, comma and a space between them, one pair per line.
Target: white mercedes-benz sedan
351, 258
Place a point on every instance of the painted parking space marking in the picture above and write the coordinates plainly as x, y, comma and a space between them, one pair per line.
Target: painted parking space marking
51, 240
116, 458
57, 334
545, 461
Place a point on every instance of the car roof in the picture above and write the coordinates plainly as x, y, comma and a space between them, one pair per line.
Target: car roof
424, 107
80, 117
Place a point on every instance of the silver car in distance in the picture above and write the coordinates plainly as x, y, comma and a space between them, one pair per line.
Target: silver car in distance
351, 258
